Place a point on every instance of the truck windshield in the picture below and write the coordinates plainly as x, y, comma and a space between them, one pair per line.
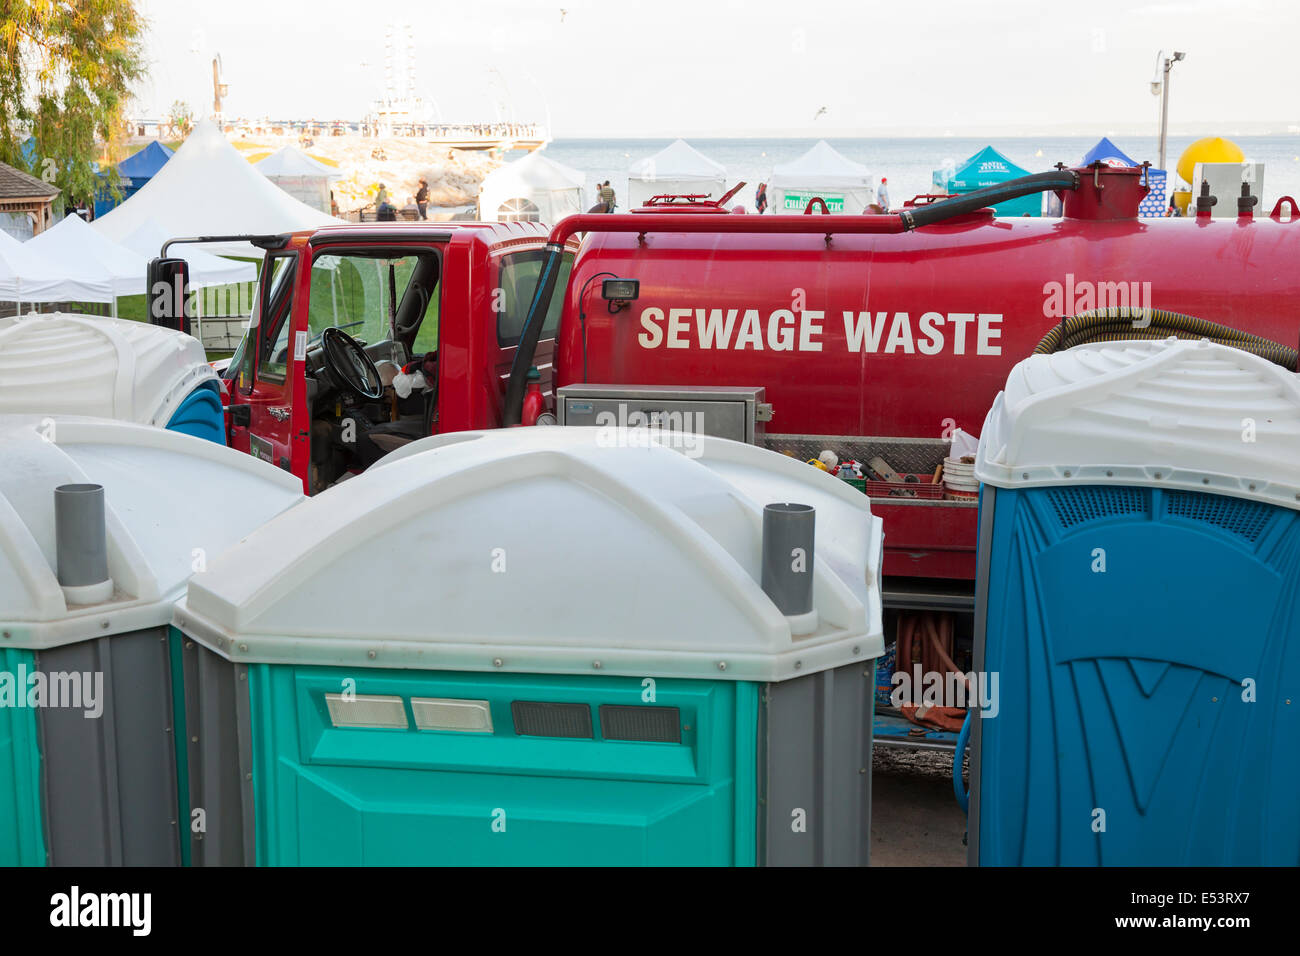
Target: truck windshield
374, 297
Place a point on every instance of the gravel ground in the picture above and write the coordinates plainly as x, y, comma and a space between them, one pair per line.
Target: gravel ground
915, 819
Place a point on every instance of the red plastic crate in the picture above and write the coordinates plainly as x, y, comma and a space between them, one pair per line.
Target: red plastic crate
921, 488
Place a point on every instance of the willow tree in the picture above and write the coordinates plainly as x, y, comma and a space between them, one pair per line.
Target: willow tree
66, 68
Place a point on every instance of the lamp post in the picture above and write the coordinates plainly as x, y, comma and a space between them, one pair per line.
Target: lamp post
1160, 87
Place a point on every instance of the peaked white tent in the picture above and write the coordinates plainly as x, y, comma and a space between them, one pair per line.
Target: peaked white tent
532, 189
679, 169
208, 189
25, 275
302, 177
846, 186
101, 269
205, 268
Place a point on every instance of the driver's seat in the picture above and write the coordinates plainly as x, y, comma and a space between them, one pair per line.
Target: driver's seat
376, 442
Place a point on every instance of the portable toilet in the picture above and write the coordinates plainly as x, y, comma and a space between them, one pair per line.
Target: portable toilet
1137, 593
539, 646
61, 364
101, 523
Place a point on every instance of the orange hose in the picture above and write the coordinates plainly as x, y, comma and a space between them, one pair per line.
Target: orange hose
935, 632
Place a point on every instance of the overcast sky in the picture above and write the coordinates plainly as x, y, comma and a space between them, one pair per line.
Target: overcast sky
736, 67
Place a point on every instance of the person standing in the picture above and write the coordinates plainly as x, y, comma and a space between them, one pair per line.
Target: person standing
422, 199
607, 196
384, 211
760, 199
882, 194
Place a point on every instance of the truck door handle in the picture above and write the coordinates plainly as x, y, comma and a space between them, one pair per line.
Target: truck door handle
240, 415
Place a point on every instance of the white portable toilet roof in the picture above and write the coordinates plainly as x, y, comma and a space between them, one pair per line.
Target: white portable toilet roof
548, 550
91, 365
1172, 413
171, 501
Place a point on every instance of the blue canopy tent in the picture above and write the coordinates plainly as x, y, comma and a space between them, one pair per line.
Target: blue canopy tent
988, 167
1153, 206
133, 172
1107, 152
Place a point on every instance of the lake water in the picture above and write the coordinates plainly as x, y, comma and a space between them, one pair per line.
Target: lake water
908, 162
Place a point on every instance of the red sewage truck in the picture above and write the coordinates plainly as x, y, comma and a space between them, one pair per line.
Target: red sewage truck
872, 336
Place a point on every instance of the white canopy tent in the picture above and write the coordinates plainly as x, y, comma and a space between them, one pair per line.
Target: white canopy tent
679, 169
302, 177
208, 189
846, 186
205, 268
103, 270
26, 276
532, 189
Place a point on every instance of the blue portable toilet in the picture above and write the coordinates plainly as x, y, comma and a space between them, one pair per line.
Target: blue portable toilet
110, 368
986, 168
133, 173
1153, 204
541, 646
1137, 595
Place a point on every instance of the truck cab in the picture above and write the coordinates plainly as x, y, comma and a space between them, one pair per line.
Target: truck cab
365, 338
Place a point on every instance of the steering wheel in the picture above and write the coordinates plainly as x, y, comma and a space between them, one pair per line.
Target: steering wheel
350, 366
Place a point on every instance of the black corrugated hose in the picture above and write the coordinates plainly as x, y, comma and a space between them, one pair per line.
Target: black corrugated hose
1123, 322
914, 217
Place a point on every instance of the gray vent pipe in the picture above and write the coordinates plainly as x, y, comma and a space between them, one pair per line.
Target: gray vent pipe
789, 534
81, 545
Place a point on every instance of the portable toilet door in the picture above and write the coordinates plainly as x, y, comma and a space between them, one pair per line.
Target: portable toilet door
101, 523
541, 646
1137, 596
60, 364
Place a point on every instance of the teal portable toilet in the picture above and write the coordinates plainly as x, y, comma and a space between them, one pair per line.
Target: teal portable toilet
542, 646
88, 771
59, 364
1138, 598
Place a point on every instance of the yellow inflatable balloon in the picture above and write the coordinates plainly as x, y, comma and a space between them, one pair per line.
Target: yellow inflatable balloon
1212, 149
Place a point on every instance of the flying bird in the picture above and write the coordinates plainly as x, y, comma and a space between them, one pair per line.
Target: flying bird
821, 112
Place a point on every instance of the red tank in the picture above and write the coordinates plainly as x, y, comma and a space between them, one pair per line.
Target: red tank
891, 334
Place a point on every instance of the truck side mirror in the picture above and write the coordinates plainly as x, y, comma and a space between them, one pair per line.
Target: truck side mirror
168, 292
